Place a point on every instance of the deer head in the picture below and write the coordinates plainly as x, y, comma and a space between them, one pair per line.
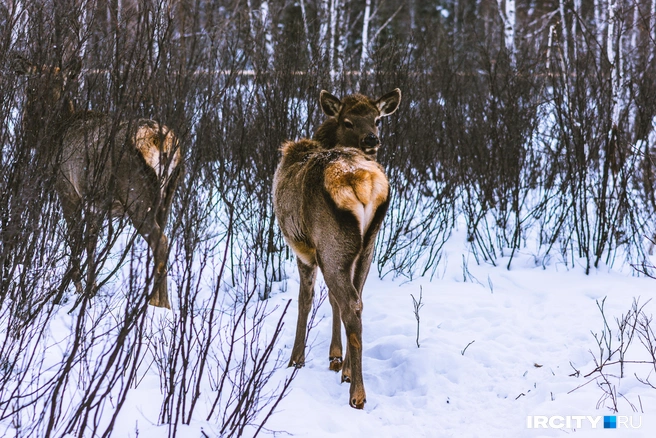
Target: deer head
354, 121
47, 91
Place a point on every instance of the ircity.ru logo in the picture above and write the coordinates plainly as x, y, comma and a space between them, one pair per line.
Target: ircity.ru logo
583, 421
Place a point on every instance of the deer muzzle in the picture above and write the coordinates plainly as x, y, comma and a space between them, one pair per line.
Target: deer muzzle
371, 140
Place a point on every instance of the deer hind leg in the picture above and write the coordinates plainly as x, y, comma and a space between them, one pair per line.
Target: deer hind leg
335, 354
340, 283
363, 263
308, 274
93, 227
144, 220
360, 273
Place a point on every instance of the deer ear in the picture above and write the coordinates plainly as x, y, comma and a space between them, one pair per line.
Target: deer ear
330, 105
389, 102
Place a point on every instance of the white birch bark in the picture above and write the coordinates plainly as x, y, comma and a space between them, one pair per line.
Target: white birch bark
324, 20
331, 46
636, 30
251, 20
510, 29
266, 27
305, 29
263, 23
575, 22
652, 26
552, 30
342, 36
614, 57
364, 55
508, 17
21, 22
599, 24
565, 38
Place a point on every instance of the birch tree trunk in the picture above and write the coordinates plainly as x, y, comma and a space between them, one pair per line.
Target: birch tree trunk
565, 36
575, 21
251, 20
510, 29
263, 24
652, 20
613, 53
21, 21
365, 39
342, 36
333, 26
599, 24
268, 36
324, 21
508, 17
636, 29
552, 31
652, 27
306, 30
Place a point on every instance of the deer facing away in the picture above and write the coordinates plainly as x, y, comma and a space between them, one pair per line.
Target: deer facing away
105, 168
330, 198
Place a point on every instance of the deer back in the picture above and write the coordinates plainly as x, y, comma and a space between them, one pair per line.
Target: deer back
100, 159
121, 162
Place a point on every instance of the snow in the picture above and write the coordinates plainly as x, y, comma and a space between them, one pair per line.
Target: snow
496, 346
527, 325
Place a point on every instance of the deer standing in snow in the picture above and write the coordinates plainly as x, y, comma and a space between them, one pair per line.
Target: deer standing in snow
330, 198
105, 168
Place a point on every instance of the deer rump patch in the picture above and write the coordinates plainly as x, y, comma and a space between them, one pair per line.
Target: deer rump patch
156, 144
357, 185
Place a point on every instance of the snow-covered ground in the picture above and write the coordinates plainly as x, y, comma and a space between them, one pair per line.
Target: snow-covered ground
498, 349
531, 329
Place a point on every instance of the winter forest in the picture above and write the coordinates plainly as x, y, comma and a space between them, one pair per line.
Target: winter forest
520, 158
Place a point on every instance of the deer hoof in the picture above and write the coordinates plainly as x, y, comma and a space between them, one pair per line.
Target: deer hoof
93, 290
346, 378
78, 287
335, 363
155, 301
357, 402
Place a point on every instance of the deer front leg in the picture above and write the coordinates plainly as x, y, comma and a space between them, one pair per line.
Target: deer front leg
93, 227
308, 275
335, 353
72, 209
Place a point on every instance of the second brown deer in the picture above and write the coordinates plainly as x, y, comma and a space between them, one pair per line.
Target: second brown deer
330, 198
105, 167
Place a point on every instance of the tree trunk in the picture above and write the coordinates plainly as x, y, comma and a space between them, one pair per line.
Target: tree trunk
365, 39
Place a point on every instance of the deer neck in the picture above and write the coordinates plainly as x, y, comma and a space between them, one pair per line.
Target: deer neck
327, 133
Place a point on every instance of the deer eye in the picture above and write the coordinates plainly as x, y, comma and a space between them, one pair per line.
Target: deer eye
377, 122
348, 124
